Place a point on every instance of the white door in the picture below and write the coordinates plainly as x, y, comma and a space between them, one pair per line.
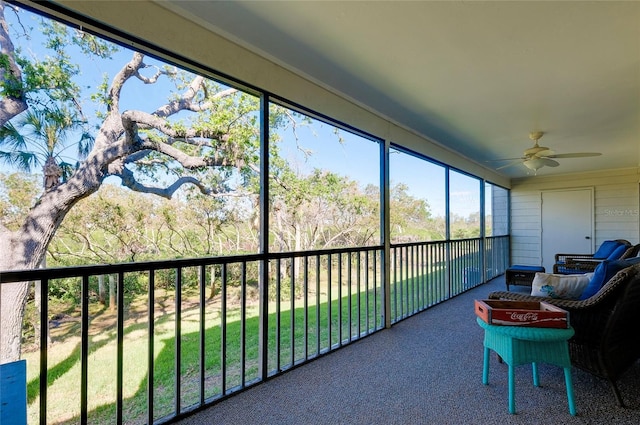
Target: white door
567, 224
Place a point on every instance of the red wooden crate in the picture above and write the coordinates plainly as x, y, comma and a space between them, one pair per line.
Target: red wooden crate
522, 313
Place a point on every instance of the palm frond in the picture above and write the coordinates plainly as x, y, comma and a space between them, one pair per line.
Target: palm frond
67, 170
24, 161
85, 144
11, 138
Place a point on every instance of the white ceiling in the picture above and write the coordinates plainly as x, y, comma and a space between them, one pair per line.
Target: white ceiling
475, 76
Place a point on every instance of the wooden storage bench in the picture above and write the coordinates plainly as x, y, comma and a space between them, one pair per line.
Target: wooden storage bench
521, 275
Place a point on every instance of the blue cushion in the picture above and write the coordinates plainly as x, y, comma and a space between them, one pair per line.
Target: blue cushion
617, 253
604, 272
521, 268
606, 249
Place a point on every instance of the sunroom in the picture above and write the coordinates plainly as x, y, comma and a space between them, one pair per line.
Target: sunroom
373, 162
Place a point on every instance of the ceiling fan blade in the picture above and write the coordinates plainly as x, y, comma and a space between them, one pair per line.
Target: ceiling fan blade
550, 162
515, 161
505, 159
573, 155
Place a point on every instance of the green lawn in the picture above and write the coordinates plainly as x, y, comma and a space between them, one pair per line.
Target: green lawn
63, 405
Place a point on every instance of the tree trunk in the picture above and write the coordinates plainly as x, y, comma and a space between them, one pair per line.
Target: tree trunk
37, 298
13, 101
112, 293
13, 299
102, 292
212, 291
298, 247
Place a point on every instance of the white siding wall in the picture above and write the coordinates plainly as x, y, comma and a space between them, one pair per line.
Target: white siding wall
500, 212
615, 208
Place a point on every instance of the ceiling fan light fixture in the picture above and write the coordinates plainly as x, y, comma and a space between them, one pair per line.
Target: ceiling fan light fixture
534, 163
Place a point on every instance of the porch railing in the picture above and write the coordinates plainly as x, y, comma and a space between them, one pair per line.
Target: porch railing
426, 273
207, 328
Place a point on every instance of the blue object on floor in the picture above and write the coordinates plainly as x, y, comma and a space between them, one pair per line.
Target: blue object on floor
13, 393
518, 345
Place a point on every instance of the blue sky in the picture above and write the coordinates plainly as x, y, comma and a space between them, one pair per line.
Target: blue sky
358, 158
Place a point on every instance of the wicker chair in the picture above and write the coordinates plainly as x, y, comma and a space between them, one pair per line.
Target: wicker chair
576, 266
586, 263
606, 326
631, 252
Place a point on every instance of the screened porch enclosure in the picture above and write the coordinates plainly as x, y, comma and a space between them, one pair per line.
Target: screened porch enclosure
348, 207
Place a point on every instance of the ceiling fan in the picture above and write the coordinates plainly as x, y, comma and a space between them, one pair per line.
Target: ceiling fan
539, 156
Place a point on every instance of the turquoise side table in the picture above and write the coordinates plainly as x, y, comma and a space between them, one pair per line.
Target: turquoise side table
518, 345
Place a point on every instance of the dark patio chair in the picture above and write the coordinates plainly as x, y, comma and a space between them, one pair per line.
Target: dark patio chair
586, 263
606, 342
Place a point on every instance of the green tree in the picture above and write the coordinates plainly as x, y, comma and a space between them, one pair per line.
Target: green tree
204, 132
18, 193
465, 227
321, 210
410, 216
112, 225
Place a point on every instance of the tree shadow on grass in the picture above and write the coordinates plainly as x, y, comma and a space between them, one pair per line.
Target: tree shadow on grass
135, 406
61, 368
55, 372
74, 358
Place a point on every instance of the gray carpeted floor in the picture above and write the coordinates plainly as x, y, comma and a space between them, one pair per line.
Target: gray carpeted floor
425, 370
